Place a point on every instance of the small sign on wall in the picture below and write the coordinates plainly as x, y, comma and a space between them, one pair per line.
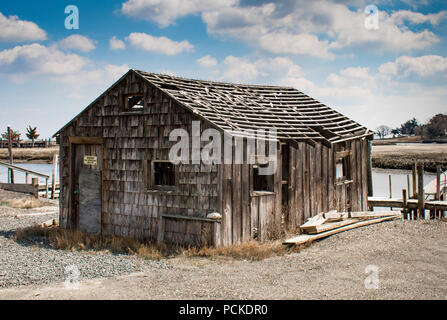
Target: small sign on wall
90, 160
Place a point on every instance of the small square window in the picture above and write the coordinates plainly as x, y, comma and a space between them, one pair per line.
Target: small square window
342, 171
262, 182
161, 175
134, 103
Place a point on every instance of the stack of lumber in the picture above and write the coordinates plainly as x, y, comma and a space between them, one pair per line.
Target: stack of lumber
329, 223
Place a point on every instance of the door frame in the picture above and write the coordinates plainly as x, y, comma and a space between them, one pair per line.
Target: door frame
73, 218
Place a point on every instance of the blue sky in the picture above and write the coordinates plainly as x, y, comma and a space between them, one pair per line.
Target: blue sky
383, 75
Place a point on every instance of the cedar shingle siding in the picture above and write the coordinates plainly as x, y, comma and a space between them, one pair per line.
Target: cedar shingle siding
314, 133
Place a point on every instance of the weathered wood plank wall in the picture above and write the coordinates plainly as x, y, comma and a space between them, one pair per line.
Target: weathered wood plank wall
130, 140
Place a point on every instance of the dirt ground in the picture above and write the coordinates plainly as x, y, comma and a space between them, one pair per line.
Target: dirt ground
398, 260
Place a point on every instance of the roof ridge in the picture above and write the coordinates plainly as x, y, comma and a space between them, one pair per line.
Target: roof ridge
216, 82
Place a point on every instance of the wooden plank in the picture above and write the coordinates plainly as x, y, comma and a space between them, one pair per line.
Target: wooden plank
331, 180
7, 165
361, 184
421, 196
312, 182
292, 210
301, 239
85, 140
299, 197
306, 185
364, 175
237, 204
20, 187
331, 225
227, 206
254, 212
333, 215
353, 176
370, 214
189, 218
245, 194
317, 220
324, 179
318, 179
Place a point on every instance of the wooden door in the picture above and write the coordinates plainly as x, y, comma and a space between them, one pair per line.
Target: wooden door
87, 188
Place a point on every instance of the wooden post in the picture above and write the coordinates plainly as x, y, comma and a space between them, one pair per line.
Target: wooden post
35, 182
26, 177
438, 188
369, 168
47, 194
408, 186
421, 199
11, 159
404, 199
53, 182
413, 173
391, 191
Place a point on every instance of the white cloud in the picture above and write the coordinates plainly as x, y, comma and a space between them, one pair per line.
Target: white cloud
314, 28
77, 42
207, 61
36, 62
423, 66
238, 69
286, 43
161, 45
165, 12
37, 59
417, 18
99, 76
14, 30
116, 44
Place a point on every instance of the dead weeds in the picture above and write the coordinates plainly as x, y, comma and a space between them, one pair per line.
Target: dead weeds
25, 203
63, 239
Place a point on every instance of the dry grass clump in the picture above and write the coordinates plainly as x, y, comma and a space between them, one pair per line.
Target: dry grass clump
63, 239
251, 250
25, 203
30, 154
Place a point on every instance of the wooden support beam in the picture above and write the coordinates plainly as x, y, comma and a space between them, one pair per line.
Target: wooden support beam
11, 159
53, 181
307, 238
413, 175
35, 182
421, 198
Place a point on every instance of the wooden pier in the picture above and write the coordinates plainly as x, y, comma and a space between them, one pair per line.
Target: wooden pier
34, 187
432, 196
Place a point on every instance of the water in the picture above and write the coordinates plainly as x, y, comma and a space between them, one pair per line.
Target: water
398, 182
19, 177
380, 178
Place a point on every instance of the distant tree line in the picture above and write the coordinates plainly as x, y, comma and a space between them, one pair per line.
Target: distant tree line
435, 128
31, 133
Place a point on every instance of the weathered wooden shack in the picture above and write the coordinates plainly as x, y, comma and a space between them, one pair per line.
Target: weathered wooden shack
116, 177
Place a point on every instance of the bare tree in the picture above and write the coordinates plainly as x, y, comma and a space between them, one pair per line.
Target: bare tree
382, 131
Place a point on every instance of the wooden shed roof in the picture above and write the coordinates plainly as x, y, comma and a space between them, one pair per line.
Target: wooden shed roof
241, 108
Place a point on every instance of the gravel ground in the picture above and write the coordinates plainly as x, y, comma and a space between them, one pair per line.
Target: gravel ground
410, 257
34, 262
